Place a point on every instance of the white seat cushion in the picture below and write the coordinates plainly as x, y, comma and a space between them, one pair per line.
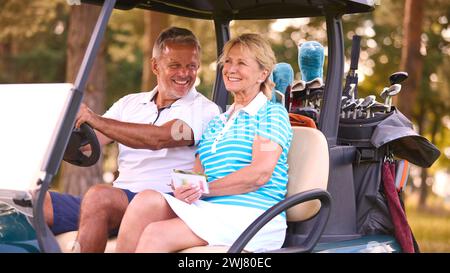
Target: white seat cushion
66, 242
207, 249
308, 161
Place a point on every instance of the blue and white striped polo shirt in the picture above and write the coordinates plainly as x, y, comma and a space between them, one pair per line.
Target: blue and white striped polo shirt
226, 147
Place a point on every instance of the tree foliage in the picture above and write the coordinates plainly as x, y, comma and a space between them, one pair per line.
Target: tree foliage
34, 32
32, 41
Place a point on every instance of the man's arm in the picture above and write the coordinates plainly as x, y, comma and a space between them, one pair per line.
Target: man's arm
102, 139
174, 133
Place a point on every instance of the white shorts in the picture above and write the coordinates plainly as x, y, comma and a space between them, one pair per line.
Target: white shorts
221, 225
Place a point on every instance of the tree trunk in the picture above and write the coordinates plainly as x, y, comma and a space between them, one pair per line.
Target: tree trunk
423, 189
154, 22
435, 128
421, 123
76, 180
411, 60
5, 61
9, 49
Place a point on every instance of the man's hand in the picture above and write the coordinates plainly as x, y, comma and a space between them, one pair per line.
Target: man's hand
85, 114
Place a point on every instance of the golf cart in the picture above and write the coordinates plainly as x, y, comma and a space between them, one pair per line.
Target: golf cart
335, 200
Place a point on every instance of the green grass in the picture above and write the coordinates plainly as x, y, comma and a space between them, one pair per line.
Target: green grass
431, 226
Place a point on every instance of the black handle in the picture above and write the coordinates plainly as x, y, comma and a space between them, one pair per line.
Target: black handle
313, 237
356, 46
81, 137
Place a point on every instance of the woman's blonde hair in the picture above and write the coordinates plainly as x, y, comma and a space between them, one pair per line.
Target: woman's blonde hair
262, 51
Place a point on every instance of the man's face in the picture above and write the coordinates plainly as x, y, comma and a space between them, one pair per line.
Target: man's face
176, 69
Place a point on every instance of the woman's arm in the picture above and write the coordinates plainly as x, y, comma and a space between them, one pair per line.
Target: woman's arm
198, 168
265, 155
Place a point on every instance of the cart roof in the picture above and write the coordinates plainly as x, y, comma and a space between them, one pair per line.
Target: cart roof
246, 9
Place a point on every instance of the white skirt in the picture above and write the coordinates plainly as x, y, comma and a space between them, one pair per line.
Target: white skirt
221, 225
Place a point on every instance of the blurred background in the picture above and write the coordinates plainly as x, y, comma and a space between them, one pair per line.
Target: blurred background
44, 41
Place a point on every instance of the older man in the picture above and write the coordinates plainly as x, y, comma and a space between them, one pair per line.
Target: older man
156, 132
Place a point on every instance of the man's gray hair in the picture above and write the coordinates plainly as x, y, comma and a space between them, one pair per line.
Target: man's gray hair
174, 35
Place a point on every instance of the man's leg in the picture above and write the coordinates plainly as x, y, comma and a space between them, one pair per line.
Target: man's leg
61, 212
48, 210
102, 210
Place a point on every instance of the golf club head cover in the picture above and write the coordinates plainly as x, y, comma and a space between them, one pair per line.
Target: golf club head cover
282, 75
310, 60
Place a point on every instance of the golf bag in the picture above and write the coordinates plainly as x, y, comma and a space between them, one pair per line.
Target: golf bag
384, 139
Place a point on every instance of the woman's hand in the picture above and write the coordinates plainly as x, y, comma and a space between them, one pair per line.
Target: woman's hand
188, 193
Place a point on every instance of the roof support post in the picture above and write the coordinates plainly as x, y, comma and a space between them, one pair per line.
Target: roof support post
220, 95
330, 113
46, 240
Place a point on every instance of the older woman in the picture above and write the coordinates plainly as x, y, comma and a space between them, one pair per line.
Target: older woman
243, 152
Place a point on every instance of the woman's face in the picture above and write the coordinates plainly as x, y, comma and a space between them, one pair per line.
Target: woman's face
241, 72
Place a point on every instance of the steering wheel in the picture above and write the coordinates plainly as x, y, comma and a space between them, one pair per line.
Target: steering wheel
81, 137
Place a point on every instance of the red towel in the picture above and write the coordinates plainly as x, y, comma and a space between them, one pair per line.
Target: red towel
402, 229
300, 120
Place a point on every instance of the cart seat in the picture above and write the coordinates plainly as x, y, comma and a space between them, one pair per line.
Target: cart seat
66, 242
308, 169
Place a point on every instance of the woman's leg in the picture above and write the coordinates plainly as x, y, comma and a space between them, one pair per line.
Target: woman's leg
146, 207
168, 236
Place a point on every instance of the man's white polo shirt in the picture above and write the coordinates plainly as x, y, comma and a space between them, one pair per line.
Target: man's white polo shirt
141, 169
